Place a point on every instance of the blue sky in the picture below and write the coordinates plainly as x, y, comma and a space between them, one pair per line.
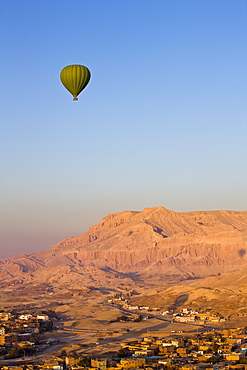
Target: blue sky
162, 121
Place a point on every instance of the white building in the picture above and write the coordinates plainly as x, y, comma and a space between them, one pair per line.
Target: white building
25, 317
43, 317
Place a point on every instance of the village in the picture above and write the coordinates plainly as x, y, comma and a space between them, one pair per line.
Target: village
201, 316
21, 334
24, 336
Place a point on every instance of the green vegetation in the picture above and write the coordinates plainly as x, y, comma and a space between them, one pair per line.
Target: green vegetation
123, 352
212, 360
63, 353
13, 352
85, 362
127, 318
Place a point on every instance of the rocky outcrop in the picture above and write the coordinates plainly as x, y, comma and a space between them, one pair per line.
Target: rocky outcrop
154, 242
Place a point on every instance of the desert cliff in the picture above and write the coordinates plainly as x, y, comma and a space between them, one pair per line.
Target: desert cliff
152, 245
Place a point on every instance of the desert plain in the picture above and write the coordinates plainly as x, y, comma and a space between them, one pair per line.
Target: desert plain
152, 264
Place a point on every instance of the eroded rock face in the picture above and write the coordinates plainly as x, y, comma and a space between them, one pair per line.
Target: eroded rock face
154, 242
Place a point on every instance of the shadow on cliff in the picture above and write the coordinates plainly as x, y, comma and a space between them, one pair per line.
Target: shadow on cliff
103, 290
241, 253
134, 276
179, 301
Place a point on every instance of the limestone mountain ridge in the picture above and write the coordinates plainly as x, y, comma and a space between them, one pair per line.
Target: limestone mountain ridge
154, 245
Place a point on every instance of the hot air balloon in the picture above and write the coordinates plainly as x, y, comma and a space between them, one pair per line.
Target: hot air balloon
75, 78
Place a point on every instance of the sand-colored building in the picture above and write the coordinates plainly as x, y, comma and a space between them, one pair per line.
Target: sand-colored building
232, 332
166, 349
233, 356
144, 352
204, 347
235, 340
2, 330
188, 367
148, 340
99, 363
159, 342
224, 347
50, 363
5, 316
181, 351
2, 340
129, 363
71, 361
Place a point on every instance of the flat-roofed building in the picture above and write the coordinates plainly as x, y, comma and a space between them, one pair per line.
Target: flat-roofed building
2, 340
128, 363
233, 356
100, 363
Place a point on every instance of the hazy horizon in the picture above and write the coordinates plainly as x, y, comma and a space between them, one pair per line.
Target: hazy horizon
161, 123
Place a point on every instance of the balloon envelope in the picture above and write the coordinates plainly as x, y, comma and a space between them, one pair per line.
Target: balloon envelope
75, 78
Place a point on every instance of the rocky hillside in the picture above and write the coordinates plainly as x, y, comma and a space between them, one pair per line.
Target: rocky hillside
226, 294
153, 245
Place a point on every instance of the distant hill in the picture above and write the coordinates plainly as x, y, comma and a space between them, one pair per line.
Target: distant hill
152, 246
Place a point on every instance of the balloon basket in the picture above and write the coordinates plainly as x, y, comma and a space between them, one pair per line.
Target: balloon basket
75, 99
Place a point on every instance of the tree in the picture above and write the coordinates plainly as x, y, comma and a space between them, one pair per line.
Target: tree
27, 349
215, 347
63, 353
209, 336
243, 360
212, 360
13, 352
123, 352
85, 362
34, 340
